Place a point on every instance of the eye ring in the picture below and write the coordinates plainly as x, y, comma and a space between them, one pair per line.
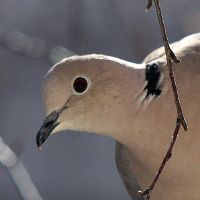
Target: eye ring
80, 84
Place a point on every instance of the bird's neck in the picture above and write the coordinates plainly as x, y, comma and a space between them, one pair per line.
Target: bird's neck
140, 120
145, 130
146, 133
149, 136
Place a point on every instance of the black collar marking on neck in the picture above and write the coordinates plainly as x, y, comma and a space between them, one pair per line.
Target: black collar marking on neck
152, 77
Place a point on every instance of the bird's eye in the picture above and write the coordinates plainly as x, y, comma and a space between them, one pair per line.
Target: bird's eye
80, 85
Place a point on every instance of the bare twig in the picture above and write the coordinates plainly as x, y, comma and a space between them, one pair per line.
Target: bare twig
180, 118
170, 55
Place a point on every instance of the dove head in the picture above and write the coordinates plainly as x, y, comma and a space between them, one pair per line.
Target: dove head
92, 93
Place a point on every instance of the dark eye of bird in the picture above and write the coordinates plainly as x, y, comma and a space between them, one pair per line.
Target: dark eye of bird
80, 84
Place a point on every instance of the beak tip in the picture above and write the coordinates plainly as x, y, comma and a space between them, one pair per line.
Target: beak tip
39, 140
38, 143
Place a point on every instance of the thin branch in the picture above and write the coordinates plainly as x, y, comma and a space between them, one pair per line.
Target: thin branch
170, 55
180, 117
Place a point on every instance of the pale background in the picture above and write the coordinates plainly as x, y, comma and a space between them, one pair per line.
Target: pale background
36, 33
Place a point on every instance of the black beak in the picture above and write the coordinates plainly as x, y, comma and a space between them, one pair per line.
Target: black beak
48, 125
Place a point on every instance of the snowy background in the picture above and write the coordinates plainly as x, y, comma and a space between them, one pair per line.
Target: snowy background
34, 34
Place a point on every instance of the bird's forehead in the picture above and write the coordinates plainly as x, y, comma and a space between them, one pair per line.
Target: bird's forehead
69, 68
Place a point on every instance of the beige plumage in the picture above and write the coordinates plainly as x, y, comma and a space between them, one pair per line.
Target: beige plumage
118, 100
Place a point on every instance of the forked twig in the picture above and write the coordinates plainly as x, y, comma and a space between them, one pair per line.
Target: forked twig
180, 118
170, 55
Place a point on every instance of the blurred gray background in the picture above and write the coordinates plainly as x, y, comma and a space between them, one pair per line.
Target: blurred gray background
34, 34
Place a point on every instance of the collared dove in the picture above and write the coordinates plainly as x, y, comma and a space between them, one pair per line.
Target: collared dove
134, 104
